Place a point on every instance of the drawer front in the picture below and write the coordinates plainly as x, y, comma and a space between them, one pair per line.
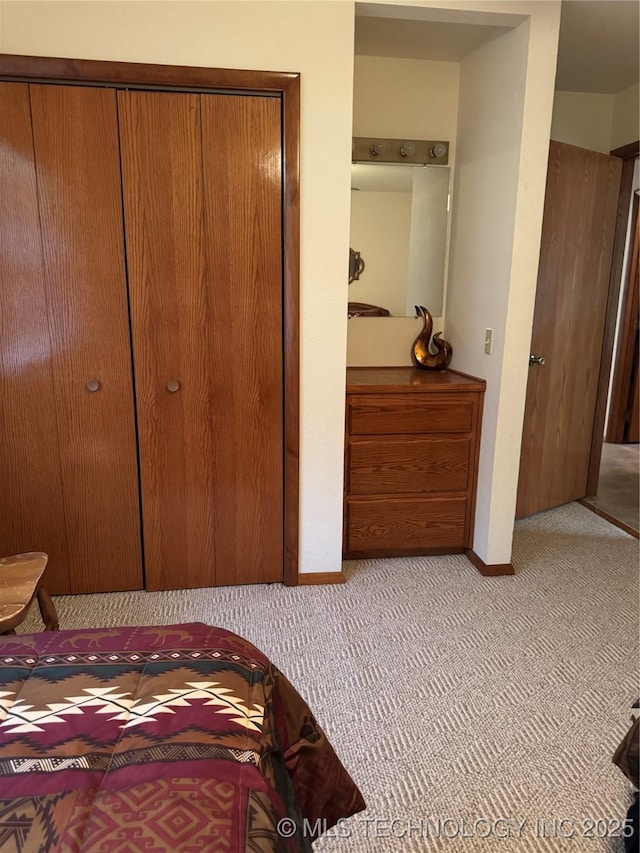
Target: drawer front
404, 524
384, 466
409, 413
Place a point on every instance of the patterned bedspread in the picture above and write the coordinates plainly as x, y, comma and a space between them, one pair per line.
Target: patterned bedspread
181, 738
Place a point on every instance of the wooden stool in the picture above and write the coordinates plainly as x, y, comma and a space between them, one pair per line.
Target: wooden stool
20, 583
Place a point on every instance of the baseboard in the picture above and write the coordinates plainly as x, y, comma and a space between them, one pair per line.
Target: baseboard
314, 578
489, 570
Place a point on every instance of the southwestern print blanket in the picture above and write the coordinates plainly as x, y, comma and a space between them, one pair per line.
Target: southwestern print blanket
176, 738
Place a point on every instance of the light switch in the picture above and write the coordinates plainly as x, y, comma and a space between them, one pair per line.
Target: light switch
488, 341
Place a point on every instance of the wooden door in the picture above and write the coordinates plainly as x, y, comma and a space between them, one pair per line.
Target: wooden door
76, 280
202, 198
571, 299
31, 505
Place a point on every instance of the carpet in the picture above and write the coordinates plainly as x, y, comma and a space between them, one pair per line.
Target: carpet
474, 713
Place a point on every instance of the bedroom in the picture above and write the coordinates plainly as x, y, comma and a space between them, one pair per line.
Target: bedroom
316, 39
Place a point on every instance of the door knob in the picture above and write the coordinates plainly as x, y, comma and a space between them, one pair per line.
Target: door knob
92, 385
536, 359
172, 386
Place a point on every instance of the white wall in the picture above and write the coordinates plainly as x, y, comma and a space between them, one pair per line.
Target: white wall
583, 119
491, 115
392, 97
315, 39
416, 98
626, 108
506, 92
598, 122
506, 100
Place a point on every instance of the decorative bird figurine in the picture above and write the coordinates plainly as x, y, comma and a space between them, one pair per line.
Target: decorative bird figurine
420, 353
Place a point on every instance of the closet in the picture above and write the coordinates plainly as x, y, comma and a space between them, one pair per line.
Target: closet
141, 335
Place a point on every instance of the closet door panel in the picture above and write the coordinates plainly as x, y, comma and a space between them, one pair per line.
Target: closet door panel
31, 506
202, 227
77, 163
241, 139
169, 289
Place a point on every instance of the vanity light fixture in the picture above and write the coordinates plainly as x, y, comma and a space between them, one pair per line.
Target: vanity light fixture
438, 150
416, 152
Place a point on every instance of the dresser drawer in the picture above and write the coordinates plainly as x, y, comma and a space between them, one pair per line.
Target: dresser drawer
388, 465
405, 524
408, 413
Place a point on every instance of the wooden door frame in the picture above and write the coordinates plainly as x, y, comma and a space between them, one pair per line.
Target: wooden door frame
287, 87
628, 154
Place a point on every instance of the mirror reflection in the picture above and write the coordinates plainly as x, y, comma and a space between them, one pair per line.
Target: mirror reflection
356, 266
399, 226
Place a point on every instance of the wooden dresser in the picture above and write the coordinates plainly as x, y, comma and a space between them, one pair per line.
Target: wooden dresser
411, 461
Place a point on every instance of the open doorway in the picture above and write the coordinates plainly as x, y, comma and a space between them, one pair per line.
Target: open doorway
579, 283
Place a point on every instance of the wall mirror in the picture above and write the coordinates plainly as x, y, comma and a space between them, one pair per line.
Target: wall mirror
399, 227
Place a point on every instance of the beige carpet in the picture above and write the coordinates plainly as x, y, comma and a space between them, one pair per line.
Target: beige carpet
454, 700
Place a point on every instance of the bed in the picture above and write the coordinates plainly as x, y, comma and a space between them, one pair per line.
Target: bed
181, 738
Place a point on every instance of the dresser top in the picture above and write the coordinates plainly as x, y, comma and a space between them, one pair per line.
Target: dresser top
412, 379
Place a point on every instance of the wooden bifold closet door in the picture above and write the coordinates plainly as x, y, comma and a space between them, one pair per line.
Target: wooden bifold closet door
67, 454
141, 361
202, 200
